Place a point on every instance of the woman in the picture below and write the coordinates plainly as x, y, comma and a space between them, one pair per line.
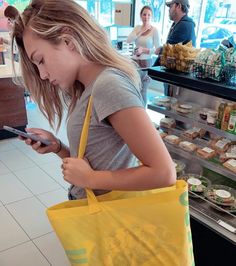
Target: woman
11, 14
146, 39
65, 54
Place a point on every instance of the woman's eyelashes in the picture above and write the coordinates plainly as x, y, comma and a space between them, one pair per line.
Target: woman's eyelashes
41, 62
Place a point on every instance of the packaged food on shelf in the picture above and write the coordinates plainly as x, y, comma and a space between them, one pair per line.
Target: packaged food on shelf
167, 122
184, 108
194, 133
162, 134
230, 73
226, 156
172, 139
231, 165
179, 167
212, 117
221, 195
225, 120
187, 146
221, 145
203, 113
221, 109
196, 183
232, 122
164, 101
206, 153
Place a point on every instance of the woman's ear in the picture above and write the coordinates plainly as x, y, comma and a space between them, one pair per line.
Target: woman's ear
69, 43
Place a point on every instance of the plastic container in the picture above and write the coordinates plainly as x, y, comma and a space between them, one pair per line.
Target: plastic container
196, 183
179, 167
221, 195
165, 101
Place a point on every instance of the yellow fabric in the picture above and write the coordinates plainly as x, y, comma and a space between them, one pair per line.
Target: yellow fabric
148, 228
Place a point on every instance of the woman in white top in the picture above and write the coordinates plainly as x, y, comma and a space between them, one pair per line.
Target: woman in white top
146, 39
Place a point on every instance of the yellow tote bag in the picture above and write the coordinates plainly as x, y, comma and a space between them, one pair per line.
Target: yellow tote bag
148, 228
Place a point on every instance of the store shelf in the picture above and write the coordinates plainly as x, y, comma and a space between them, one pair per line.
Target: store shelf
191, 156
190, 119
204, 213
185, 80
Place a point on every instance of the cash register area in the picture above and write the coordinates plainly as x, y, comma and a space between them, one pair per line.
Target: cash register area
29, 183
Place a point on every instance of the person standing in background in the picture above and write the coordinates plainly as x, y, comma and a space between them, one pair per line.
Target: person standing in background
183, 27
146, 39
11, 13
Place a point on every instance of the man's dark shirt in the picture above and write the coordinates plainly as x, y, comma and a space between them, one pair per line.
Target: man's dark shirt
183, 31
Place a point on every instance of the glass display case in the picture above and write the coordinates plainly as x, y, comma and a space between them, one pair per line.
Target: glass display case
197, 141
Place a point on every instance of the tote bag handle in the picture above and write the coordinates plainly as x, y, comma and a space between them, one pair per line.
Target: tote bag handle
81, 151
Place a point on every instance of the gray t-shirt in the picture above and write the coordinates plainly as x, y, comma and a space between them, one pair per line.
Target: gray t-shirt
112, 91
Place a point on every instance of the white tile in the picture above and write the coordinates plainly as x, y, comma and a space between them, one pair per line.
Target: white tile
54, 170
11, 233
31, 215
41, 158
11, 189
20, 144
3, 169
36, 180
23, 255
52, 249
54, 197
6, 145
15, 160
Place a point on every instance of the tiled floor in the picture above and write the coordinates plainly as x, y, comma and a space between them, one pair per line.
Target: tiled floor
29, 183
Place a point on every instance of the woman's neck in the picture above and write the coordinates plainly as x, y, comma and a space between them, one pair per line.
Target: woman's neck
89, 73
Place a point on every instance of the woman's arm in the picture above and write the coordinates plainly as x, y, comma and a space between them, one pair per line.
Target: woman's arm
136, 129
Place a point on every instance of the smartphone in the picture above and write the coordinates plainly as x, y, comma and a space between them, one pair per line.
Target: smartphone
31, 136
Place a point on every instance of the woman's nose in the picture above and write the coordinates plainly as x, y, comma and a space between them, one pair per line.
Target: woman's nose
43, 74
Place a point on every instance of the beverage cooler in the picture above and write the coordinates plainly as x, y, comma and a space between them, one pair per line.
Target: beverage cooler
199, 130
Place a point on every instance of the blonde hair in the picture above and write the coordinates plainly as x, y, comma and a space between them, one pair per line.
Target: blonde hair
48, 19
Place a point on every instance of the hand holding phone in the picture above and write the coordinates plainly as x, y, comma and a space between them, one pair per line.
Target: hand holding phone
23, 134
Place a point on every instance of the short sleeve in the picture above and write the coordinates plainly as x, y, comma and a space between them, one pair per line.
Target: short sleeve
114, 91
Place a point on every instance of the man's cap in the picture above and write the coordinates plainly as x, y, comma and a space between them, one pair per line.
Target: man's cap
182, 2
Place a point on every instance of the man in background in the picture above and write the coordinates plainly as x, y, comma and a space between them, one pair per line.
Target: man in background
182, 28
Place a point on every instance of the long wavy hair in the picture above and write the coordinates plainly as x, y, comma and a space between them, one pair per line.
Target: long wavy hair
48, 20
